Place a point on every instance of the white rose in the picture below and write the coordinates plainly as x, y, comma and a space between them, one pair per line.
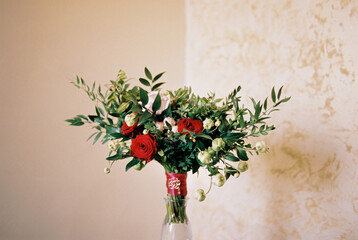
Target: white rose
218, 144
200, 195
175, 129
261, 147
164, 104
145, 131
169, 120
159, 126
114, 144
208, 123
242, 166
130, 119
219, 180
204, 157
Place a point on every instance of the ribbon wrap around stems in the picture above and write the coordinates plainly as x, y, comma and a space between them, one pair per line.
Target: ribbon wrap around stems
176, 183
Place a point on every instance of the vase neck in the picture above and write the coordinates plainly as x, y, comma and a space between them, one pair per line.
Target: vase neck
176, 209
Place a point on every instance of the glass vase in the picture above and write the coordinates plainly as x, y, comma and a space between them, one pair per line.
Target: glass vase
176, 225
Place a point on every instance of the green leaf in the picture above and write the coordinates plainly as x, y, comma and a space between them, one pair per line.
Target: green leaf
158, 76
144, 82
265, 104
77, 80
273, 95
242, 154
258, 108
286, 99
144, 117
202, 135
114, 157
122, 107
97, 137
157, 103
132, 163
231, 158
156, 86
148, 74
143, 96
232, 135
242, 121
279, 93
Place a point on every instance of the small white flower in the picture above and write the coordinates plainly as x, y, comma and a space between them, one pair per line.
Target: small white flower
204, 157
145, 131
261, 147
200, 195
165, 100
218, 144
208, 123
217, 123
219, 180
114, 144
236, 175
242, 166
107, 170
130, 119
159, 126
169, 120
175, 129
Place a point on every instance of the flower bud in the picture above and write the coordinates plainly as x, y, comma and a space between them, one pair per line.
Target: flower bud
242, 166
218, 144
261, 147
208, 123
211, 151
145, 131
114, 144
159, 126
236, 175
219, 180
217, 123
107, 170
130, 119
200, 195
204, 157
139, 166
169, 120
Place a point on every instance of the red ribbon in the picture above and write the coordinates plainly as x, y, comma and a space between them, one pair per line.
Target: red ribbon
176, 184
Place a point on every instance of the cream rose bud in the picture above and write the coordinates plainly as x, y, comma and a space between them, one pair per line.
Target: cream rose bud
175, 129
169, 120
159, 126
165, 100
200, 195
242, 166
145, 131
219, 180
236, 175
204, 157
211, 151
130, 119
217, 123
261, 147
107, 170
114, 144
218, 144
208, 123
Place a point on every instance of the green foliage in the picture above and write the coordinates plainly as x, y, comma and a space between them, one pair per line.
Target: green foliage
178, 152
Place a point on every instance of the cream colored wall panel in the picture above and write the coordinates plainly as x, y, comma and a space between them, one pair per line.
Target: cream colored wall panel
305, 188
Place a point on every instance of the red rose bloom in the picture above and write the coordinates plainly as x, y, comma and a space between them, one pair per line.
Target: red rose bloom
131, 131
191, 125
144, 147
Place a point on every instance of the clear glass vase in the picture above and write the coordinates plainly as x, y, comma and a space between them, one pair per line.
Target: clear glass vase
176, 225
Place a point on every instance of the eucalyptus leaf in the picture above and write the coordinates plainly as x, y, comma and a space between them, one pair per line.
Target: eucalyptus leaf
132, 163
157, 103
144, 82
148, 74
143, 96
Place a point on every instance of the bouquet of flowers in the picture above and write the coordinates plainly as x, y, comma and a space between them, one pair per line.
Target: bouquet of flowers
180, 130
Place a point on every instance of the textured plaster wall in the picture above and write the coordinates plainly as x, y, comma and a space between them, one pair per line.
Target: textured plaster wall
306, 186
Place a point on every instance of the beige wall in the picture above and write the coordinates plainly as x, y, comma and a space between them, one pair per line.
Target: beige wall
306, 187
52, 184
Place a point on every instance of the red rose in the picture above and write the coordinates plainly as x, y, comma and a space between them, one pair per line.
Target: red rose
144, 147
131, 131
191, 125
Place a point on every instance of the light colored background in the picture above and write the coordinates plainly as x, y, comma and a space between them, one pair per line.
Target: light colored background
306, 187
52, 184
